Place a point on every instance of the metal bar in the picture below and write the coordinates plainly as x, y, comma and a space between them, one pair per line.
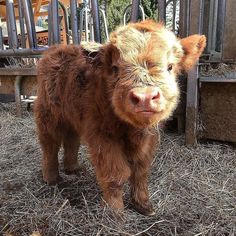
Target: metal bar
29, 20
187, 17
214, 25
105, 24
174, 15
22, 27
89, 23
22, 52
91, 28
96, 22
201, 16
55, 22
11, 26
8, 29
220, 25
81, 24
1, 39
17, 86
18, 71
74, 21
162, 11
66, 21
50, 34
192, 107
229, 43
230, 78
134, 10
125, 14
86, 28
195, 23
209, 33
168, 2
182, 13
142, 12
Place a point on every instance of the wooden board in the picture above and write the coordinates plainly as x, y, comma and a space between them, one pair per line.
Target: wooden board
28, 85
218, 111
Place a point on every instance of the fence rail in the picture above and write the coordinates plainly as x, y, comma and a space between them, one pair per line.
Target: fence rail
24, 43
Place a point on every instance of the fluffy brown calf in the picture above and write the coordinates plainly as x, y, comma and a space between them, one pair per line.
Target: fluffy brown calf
112, 99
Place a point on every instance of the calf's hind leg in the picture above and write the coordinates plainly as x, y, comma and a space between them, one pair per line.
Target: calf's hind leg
71, 144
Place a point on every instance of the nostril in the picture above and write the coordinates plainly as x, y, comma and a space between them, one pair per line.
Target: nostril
134, 98
156, 96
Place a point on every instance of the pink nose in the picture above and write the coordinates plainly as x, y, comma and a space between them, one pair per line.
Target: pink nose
144, 96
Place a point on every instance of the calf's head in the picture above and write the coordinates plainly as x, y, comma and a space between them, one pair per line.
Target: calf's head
142, 62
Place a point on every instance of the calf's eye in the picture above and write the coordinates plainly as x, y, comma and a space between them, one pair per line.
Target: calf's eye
115, 69
170, 67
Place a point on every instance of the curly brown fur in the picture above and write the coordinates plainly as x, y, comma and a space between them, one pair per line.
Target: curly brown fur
111, 99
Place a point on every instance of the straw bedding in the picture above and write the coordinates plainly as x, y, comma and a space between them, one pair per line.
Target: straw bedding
193, 190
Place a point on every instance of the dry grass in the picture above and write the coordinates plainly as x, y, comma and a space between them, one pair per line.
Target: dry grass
193, 189
219, 70
22, 62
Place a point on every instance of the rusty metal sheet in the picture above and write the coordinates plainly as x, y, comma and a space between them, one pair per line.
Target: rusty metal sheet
218, 111
229, 42
28, 86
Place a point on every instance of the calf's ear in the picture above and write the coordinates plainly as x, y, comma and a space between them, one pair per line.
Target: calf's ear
193, 47
100, 56
109, 57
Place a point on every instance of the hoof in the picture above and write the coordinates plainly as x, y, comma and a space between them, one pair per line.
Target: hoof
52, 181
72, 172
116, 206
144, 209
116, 214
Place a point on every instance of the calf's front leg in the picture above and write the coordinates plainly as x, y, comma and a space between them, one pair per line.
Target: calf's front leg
141, 158
139, 189
112, 171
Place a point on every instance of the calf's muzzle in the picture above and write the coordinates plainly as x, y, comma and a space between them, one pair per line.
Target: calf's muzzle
144, 99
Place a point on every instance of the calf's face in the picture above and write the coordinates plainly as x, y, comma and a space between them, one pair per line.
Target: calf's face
145, 62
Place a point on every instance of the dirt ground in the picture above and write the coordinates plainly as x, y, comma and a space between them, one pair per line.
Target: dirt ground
193, 190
